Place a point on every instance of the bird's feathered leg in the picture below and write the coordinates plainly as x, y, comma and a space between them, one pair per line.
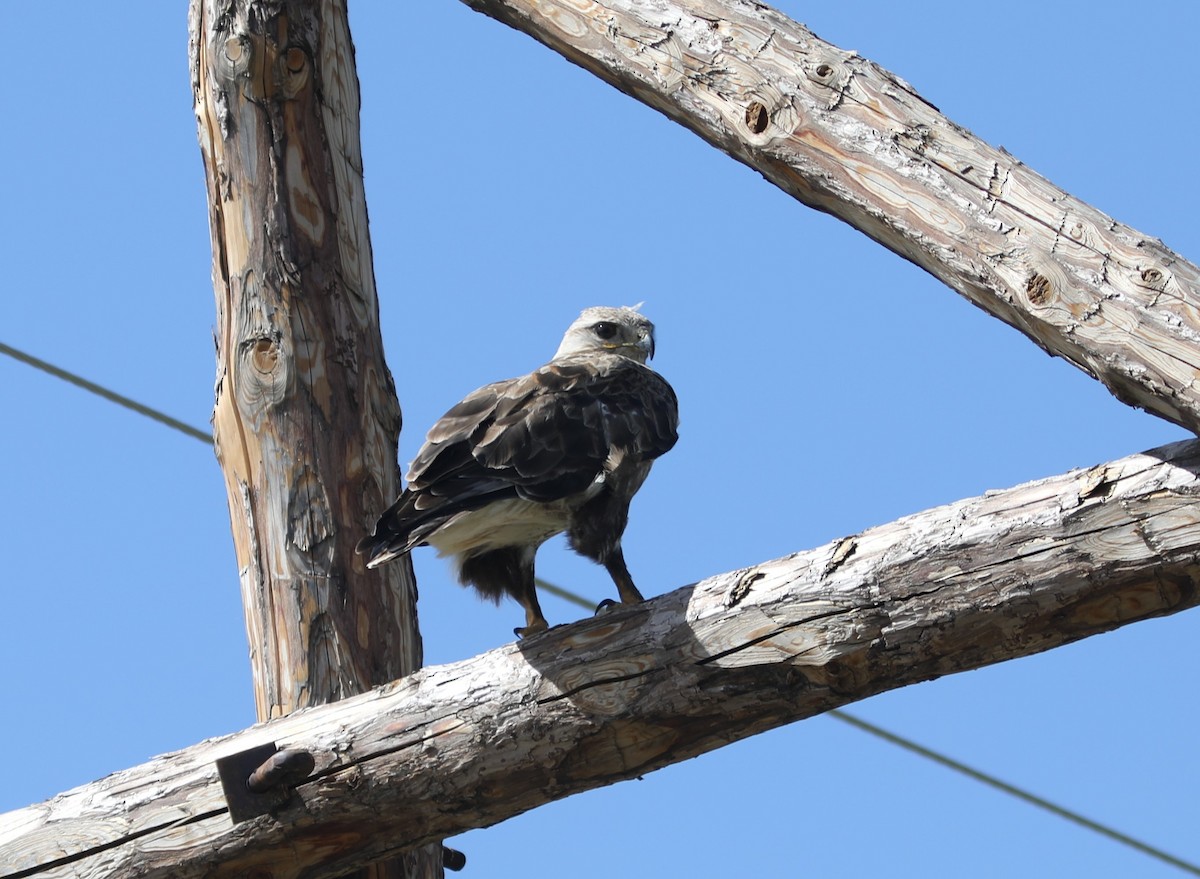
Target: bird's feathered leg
595, 533
614, 562
534, 621
507, 571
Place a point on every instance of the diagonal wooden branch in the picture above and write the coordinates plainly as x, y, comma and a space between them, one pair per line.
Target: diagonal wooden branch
845, 136
467, 745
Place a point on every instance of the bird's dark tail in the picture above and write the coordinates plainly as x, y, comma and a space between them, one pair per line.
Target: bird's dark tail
395, 533
415, 516
378, 550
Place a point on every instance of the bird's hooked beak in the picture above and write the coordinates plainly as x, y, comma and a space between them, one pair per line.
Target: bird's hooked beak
645, 343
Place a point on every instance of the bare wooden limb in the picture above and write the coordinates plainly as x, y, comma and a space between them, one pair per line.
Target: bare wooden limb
845, 136
306, 420
467, 745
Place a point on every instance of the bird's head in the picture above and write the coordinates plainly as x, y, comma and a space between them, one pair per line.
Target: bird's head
602, 328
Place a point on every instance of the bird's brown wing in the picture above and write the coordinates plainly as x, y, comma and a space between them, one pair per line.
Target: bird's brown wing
543, 436
553, 440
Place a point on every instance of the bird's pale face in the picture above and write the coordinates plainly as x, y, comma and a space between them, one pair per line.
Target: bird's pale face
620, 330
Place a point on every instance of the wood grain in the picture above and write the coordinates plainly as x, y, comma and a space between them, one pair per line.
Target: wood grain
845, 136
466, 745
306, 421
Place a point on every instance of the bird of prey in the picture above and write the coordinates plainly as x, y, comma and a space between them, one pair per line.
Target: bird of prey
563, 448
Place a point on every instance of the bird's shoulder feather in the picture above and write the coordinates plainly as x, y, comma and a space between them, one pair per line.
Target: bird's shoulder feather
550, 432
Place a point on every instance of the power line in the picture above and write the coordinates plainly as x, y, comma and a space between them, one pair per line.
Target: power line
112, 396
859, 723
950, 763
563, 593
1014, 791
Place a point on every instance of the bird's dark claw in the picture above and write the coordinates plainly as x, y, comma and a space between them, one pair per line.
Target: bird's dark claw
534, 628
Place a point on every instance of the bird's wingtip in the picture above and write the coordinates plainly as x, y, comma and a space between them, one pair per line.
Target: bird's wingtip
374, 549
377, 552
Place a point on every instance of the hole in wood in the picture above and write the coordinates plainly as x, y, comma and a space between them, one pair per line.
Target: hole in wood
1039, 289
757, 118
266, 355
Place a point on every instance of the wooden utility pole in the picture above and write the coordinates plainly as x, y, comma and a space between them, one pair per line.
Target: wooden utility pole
612, 697
306, 421
306, 428
841, 134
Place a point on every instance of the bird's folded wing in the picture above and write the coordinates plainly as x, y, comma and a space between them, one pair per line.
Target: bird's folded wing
548, 434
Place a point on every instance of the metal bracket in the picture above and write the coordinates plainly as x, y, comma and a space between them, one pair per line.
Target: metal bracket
453, 859
259, 780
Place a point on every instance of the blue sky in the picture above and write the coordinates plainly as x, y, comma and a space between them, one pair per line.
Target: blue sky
834, 388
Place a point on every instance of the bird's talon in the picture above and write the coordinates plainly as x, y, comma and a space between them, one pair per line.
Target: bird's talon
534, 628
495, 465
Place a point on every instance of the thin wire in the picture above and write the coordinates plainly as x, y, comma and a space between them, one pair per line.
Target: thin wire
547, 586
950, 763
859, 723
112, 396
1011, 790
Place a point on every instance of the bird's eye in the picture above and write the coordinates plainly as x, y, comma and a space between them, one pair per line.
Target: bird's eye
605, 330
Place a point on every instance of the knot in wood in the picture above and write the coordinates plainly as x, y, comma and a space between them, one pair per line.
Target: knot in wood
235, 56
294, 70
1152, 276
829, 72
296, 60
822, 72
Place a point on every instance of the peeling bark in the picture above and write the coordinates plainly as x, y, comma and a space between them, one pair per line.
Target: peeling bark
306, 420
467, 745
843, 135
588, 704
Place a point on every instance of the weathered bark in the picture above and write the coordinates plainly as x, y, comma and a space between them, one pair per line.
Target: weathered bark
843, 135
306, 420
466, 745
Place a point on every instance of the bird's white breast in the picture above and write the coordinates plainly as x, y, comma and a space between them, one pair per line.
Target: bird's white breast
511, 522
